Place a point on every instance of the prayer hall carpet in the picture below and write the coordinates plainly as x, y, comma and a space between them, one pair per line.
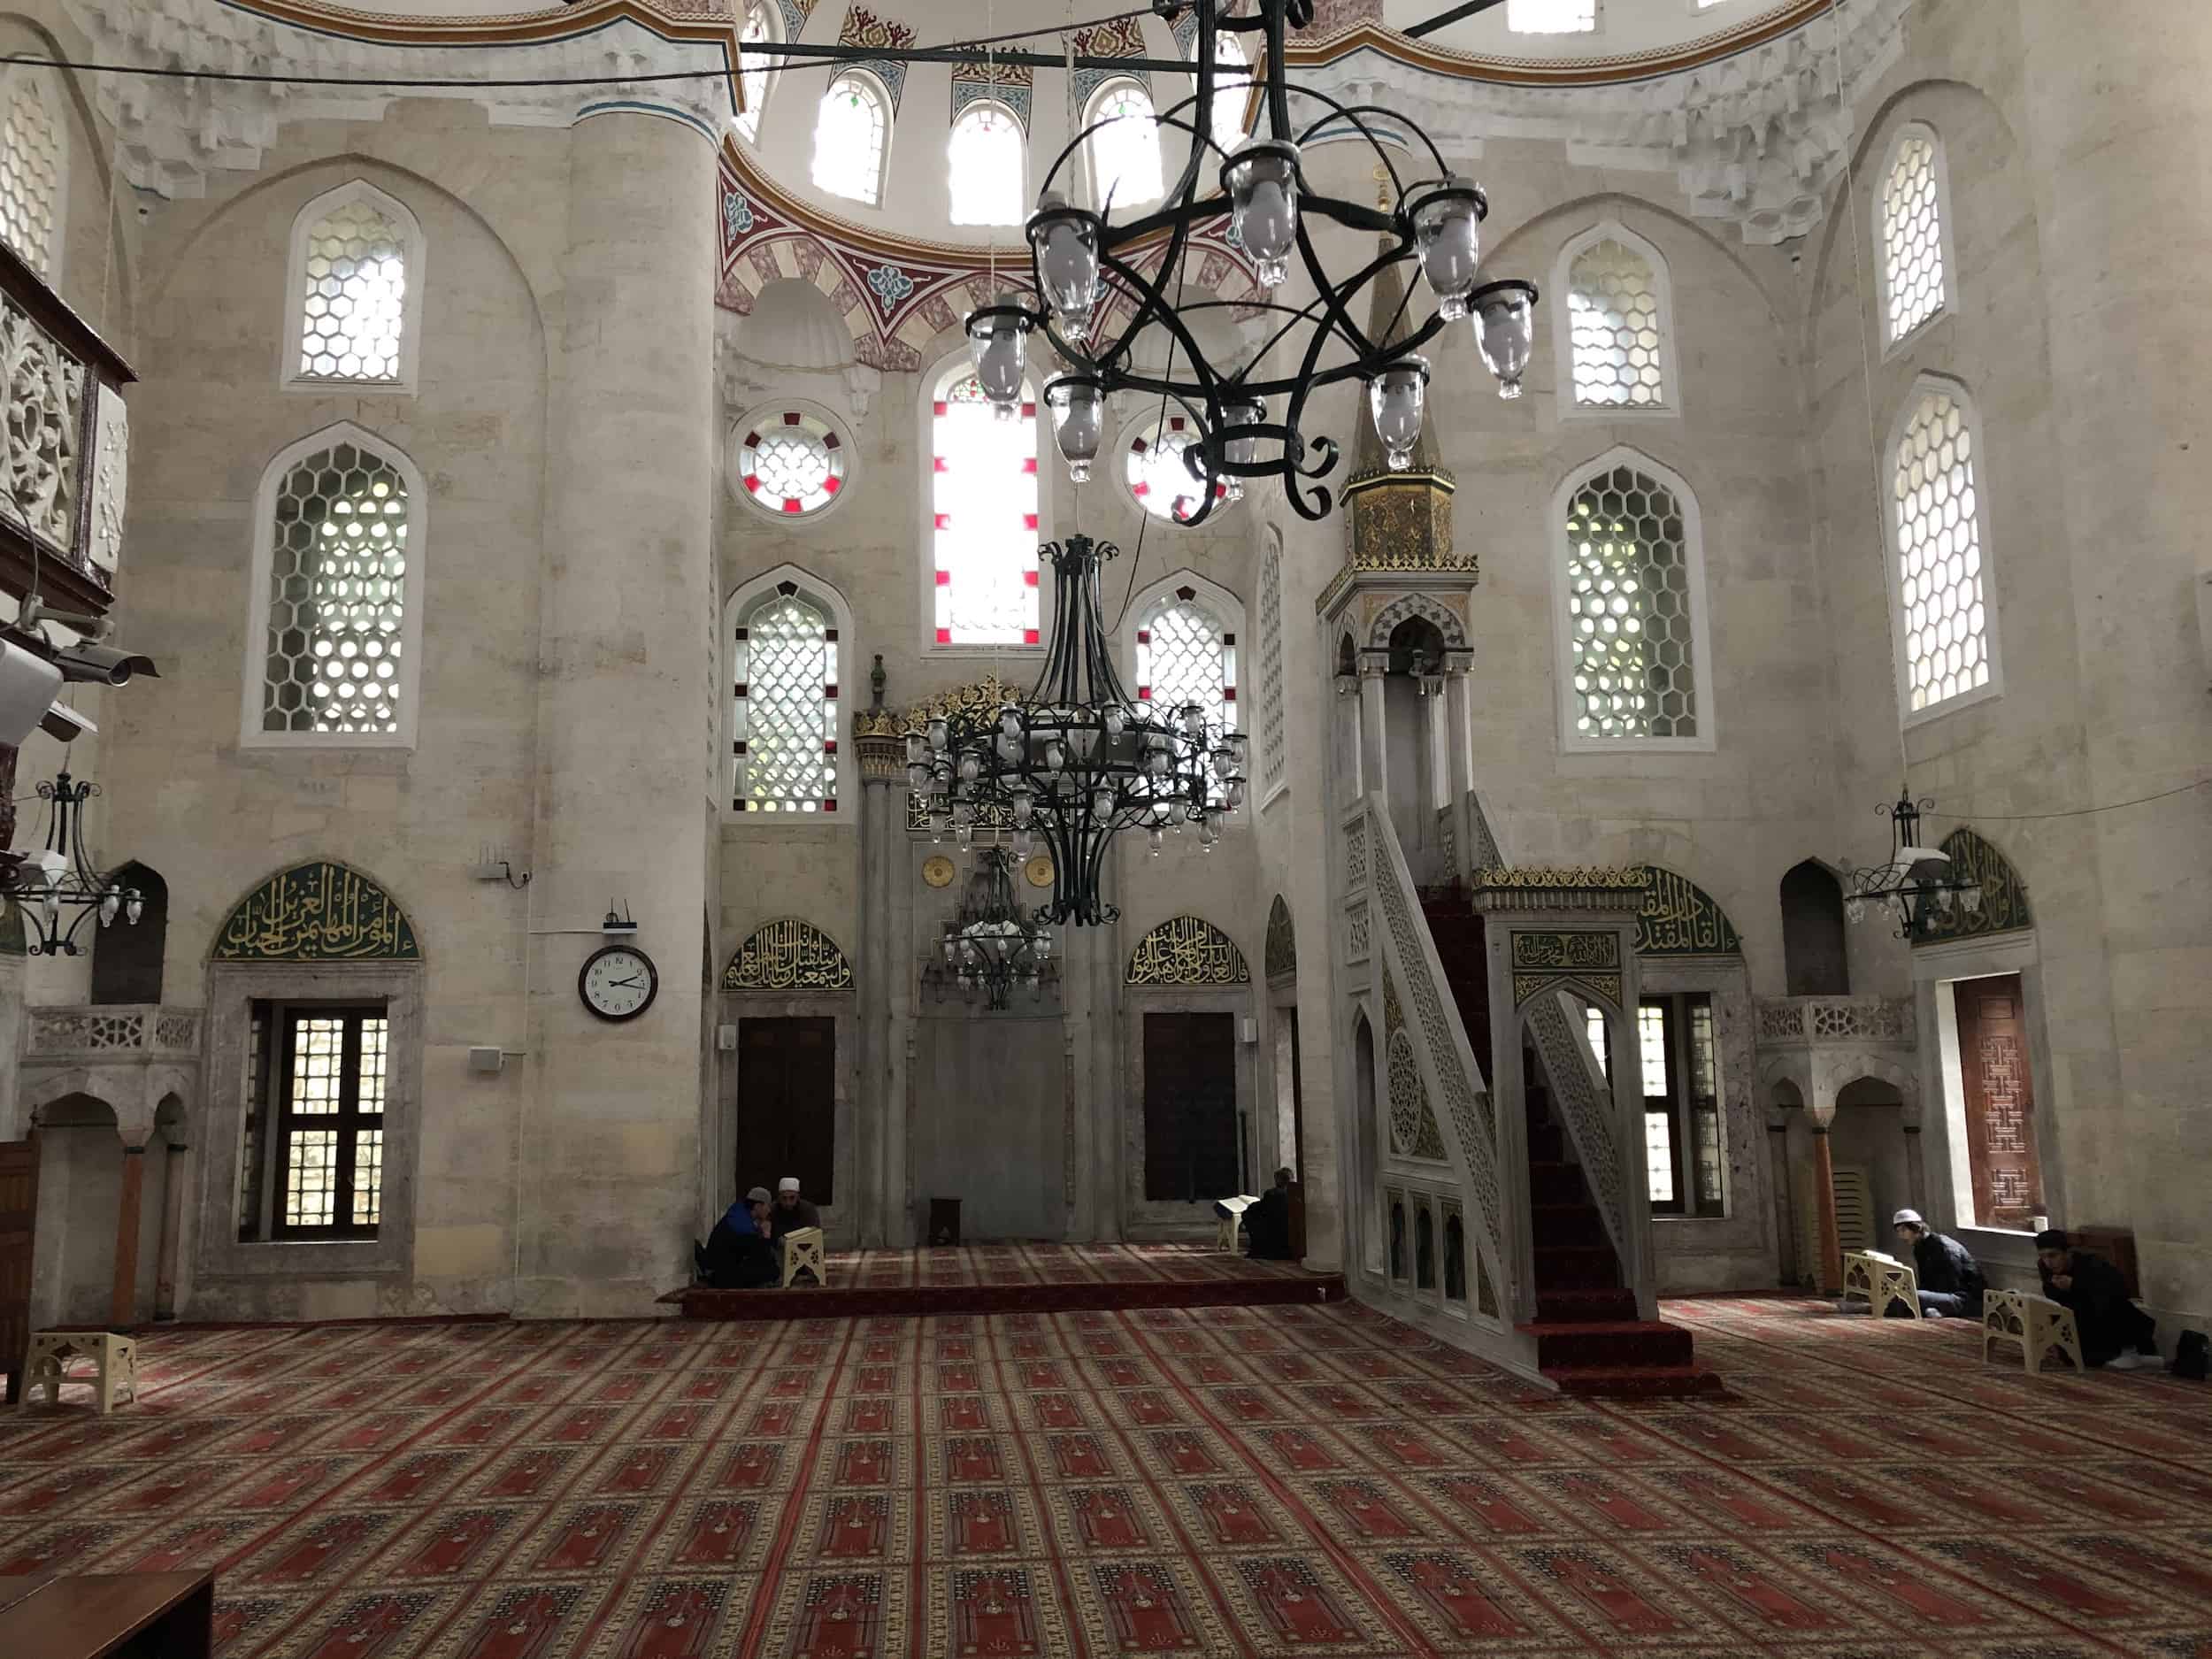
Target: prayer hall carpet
1234, 1481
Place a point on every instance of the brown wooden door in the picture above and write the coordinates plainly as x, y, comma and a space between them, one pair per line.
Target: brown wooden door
1190, 1106
786, 1103
18, 1227
1999, 1100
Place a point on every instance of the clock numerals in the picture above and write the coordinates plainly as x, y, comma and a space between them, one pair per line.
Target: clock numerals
617, 982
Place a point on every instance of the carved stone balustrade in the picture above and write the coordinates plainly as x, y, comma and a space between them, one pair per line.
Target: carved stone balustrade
1819, 1044
130, 1057
1807, 1021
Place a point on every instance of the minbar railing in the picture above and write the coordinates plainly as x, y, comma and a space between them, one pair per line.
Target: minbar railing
110, 1034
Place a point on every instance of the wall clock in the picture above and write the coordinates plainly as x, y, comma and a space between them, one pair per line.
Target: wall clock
937, 870
617, 982
1039, 870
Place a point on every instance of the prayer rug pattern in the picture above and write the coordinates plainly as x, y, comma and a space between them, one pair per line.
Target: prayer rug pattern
1237, 1481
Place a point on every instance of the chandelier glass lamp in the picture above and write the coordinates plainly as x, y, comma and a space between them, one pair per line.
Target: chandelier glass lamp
1918, 880
992, 943
62, 877
1078, 760
1089, 266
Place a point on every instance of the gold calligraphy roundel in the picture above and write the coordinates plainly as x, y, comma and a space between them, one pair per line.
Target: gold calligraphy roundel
1039, 870
937, 870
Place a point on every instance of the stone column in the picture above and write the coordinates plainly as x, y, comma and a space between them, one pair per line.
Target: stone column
610, 1144
1374, 741
879, 1112
1459, 756
169, 1245
123, 1302
1828, 1272
2110, 112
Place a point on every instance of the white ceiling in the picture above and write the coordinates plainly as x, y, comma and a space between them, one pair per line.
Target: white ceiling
1623, 26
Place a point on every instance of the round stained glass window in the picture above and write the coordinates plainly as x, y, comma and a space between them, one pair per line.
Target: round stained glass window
1158, 476
790, 463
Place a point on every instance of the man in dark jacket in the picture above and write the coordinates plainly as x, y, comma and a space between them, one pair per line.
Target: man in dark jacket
2114, 1331
1950, 1279
1267, 1223
736, 1254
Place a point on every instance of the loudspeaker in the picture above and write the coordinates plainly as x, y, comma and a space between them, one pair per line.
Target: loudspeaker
27, 685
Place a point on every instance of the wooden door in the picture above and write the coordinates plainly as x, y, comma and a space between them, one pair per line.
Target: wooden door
1190, 1106
786, 1103
1999, 1100
18, 1228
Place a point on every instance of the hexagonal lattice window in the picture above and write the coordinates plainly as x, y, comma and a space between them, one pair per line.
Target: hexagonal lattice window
791, 462
1634, 667
30, 172
355, 281
1613, 328
1940, 553
1912, 236
337, 597
787, 707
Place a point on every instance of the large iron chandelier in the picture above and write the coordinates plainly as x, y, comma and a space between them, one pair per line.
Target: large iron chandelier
1081, 264
62, 875
1079, 759
1918, 880
992, 943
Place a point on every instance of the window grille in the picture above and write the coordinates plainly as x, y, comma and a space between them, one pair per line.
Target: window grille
333, 654
1185, 657
1912, 235
1629, 599
326, 1083
355, 292
1126, 151
1159, 477
1945, 619
850, 133
791, 462
753, 77
984, 501
1614, 328
30, 172
785, 747
985, 160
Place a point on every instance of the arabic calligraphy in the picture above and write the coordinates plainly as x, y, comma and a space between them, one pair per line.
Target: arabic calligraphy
2004, 896
1186, 950
1679, 918
1566, 950
316, 912
788, 955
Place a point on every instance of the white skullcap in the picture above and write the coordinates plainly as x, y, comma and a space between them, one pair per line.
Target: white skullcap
789, 1184
1907, 1219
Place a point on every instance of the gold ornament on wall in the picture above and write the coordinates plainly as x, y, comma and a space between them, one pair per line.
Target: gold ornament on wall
937, 870
1039, 870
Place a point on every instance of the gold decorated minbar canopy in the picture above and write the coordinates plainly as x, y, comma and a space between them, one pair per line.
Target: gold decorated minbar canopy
1674, 916
788, 955
316, 912
982, 701
1186, 950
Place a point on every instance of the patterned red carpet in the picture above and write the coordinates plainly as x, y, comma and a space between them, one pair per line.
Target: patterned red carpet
1219, 1481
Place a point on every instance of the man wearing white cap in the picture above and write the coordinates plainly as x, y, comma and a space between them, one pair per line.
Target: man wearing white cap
791, 1211
1950, 1279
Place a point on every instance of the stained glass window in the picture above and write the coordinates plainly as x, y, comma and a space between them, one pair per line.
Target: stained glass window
30, 171
791, 462
985, 158
1912, 234
1551, 16
353, 308
1158, 476
1272, 721
1946, 620
1628, 599
1185, 657
753, 76
984, 501
849, 131
785, 747
338, 581
1126, 151
329, 1116
1613, 327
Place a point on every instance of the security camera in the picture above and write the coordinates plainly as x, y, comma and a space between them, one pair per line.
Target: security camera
28, 684
103, 664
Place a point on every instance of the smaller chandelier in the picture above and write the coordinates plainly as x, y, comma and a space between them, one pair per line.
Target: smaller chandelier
1918, 880
992, 943
63, 876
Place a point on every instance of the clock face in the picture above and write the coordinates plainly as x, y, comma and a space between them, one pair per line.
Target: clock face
617, 982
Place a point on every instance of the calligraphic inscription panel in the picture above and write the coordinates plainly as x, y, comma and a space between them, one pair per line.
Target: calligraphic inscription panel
1566, 950
1679, 918
2004, 896
1186, 950
788, 955
316, 912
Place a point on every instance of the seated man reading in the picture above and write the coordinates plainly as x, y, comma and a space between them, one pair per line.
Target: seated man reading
791, 1213
1267, 1223
2114, 1331
736, 1254
1950, 1279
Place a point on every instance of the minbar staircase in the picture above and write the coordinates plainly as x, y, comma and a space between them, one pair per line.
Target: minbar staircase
1589, 1340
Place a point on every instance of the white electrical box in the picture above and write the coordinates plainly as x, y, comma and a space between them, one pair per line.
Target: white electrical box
725, 1039
484, 1060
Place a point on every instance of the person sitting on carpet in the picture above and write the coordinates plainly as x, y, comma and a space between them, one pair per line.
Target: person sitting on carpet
2114, 1331
1950, 1279
1267, 1223
736, 1254
791, 1212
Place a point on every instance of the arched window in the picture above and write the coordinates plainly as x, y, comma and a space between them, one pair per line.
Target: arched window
1551, 16
985, 161
1947, 647
1125, 148
1271, 712
1908, 232
754, 75
1232, 90
33, 163
1616, 322
785, 666
851, 133
337, 625
1186, 652
1630, 590
354, 305
984, 501
1159, 477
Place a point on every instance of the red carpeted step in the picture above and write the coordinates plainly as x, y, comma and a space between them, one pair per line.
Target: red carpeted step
1567, 1224
1649, 1382
1623, 1345
1576, 1267
1577, 1307
1545, 1145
